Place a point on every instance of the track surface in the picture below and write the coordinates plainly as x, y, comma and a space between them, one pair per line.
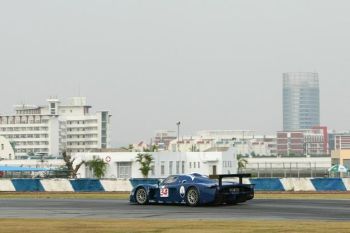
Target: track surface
111, 209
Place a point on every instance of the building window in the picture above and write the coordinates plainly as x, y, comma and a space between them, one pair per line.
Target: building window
183, 167
190, 165
199, 165
194, 164
2, 146
124, 169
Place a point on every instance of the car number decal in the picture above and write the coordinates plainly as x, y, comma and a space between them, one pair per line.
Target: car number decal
164, 192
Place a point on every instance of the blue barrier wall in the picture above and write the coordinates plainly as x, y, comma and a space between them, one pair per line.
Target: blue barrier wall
87, 185
28, 185
328, 184
94, 185
267, 184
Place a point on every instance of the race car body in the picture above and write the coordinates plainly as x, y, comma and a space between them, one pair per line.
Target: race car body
194, 189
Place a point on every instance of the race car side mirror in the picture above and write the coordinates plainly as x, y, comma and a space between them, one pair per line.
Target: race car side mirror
184, 181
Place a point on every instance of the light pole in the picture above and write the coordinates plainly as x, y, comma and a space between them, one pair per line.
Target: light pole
178, 134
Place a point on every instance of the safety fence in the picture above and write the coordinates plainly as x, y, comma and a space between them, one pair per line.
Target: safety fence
124, 185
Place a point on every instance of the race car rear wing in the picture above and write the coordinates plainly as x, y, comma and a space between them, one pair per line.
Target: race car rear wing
220, 177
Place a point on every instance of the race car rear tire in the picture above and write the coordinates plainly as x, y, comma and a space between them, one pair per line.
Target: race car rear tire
141, 196
192, 197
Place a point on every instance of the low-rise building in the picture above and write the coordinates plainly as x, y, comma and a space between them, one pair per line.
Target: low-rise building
341, 152
124, 165
303, 142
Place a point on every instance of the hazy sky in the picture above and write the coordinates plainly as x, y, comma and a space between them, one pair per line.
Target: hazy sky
209, 64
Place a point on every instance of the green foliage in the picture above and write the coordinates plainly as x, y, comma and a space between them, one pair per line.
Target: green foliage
145, 161
154, 148
98, 167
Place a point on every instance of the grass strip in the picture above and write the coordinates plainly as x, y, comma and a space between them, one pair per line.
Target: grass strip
167, 226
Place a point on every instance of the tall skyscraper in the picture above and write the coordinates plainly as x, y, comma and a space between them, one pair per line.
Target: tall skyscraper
301, 101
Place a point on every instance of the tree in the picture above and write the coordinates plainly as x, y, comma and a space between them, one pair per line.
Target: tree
242, 162
145, 161
130, 147
72, 171
98, 167
153, 148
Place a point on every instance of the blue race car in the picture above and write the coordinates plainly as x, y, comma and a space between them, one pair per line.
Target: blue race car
194, 190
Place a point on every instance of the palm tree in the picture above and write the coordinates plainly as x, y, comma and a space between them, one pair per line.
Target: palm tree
98, 167
145, 161
242, 162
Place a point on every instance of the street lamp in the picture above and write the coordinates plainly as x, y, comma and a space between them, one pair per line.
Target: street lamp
178, 134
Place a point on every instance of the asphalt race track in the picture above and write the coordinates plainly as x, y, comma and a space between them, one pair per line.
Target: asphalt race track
121, 209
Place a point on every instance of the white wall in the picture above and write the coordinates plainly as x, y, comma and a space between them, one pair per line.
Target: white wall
33, 163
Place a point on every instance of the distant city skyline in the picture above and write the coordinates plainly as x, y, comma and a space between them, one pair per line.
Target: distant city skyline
208, 64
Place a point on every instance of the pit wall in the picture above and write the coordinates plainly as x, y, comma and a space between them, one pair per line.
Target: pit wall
123, 185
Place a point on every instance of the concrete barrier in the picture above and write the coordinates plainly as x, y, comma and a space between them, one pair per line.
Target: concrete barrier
6, 186
346, 182
87, 185
287, 184
267, 184
302, 184
57, 185
328, 184
116, 185
124, 185
28, 185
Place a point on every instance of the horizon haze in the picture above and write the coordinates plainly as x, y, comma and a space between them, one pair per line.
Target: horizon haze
208, 64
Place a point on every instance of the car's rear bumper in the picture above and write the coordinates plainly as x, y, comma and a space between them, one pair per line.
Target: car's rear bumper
231, 198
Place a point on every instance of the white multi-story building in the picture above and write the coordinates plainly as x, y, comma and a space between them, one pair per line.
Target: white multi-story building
6, 149
56, 127
245, 142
